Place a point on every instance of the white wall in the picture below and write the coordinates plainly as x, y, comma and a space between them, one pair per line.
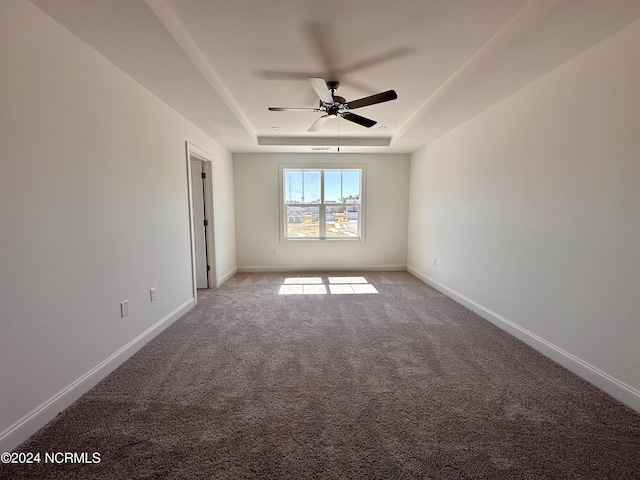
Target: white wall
258, 222
93, 189
224, 213
533, 212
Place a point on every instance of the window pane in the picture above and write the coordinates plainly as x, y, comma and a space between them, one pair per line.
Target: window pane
351, 186
311, 187
342, 221
332, 186
341, 186
293, 186
302, 186
303, 222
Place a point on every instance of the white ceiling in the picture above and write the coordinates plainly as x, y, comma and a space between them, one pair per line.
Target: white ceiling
222, 63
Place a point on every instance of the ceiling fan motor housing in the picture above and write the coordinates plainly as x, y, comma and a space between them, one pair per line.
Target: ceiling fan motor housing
334, 108
338, 102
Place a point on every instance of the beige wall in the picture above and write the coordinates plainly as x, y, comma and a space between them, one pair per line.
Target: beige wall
258, 222
532, 210
93, 188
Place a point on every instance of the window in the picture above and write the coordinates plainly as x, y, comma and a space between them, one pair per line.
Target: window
322, 203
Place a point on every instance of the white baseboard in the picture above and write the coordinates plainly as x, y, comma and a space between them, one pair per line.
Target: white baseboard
322, 268
20, 431
602, 380
227, 276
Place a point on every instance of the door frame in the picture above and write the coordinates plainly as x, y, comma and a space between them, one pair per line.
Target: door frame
194, 152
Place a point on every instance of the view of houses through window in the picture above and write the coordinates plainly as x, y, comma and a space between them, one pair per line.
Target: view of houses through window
322, 203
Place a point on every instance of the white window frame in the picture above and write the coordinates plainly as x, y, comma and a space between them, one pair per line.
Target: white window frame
322, 206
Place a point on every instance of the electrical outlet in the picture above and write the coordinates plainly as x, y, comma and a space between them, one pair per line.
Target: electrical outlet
152, 294
124, 308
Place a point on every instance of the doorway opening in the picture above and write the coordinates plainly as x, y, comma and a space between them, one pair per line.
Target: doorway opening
200, 185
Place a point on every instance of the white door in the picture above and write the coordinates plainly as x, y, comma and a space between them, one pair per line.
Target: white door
199, 224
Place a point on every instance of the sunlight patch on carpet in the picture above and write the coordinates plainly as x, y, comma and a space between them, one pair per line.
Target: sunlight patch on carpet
318, 286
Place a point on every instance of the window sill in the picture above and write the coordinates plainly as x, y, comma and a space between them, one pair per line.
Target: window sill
322, 240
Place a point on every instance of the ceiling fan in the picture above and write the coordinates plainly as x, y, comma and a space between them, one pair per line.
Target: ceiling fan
334, 106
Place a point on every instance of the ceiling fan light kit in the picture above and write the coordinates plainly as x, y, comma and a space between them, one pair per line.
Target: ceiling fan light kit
333, 105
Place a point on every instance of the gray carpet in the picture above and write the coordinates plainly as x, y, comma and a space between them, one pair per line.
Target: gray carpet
400, 384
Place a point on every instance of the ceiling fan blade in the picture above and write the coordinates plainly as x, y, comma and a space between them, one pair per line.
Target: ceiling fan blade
378, 59
352, 117
318, 123
373, 99
287, 109
320, 86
